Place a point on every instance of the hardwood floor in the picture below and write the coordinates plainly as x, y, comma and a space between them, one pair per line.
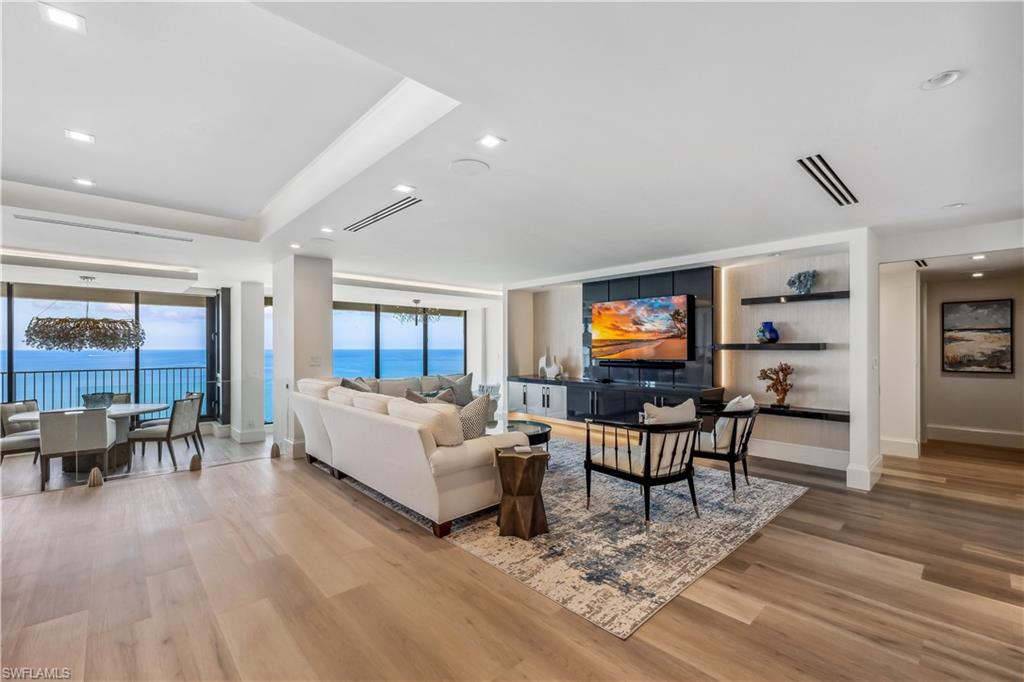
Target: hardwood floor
272, 570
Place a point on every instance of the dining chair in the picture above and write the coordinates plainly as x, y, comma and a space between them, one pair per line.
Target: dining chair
197, 435
121, 399
182, 424
18, 437
74, 433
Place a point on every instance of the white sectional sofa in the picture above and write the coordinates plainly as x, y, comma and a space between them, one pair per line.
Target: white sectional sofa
409, 452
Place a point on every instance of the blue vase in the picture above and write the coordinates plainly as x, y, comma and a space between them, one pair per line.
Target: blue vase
767, 333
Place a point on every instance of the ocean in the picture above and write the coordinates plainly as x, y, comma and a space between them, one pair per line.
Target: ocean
57, 378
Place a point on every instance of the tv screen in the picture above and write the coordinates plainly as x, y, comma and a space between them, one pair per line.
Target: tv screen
641, 329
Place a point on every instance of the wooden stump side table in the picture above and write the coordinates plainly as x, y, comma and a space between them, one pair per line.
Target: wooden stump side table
522, 507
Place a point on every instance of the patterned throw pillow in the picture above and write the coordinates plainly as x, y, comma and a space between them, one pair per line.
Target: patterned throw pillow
443, 396
356, 385
463, 388
474, 417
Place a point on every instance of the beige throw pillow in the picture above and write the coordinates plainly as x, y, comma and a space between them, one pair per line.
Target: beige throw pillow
686, 412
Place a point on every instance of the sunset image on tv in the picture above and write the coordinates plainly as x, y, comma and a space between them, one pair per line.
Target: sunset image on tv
640, 329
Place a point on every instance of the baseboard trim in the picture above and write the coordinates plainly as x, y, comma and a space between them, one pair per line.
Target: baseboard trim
220, 430
900, 447
828, 458
296, 449
861, 477
248, 435
999, 438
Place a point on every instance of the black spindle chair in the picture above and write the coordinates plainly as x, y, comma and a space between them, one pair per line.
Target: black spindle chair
728, 442
664, 456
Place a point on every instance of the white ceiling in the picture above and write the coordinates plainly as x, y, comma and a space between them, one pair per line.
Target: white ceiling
635, 132
207, 107
1007, 263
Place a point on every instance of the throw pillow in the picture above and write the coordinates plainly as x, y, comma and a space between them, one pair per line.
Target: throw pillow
738, 404
686, 412
474, 417
463, 388
442, 396
356, 384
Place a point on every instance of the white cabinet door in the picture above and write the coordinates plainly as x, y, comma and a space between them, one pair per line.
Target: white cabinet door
535, 399
556, 402
516, 396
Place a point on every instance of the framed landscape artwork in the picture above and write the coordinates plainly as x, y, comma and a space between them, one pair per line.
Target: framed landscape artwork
977, 336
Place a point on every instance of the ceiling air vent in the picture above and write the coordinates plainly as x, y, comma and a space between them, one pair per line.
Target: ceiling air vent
921, 263
817, 167
102, 228
385, 212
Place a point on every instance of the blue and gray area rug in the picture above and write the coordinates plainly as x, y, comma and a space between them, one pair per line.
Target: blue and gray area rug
601, 563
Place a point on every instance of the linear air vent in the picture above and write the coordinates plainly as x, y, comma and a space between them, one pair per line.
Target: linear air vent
921, 263
102, 228
383, 213
817, 167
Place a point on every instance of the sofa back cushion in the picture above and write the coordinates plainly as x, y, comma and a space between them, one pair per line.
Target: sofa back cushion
374, 402
340, 394
441, 420
396, 387
430, 384
317, 387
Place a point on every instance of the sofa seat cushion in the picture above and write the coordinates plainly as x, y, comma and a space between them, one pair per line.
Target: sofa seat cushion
374, 402
477, 452
441, 420
397, 387
317, 387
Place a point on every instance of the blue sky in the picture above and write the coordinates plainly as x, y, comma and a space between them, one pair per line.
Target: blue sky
354, 330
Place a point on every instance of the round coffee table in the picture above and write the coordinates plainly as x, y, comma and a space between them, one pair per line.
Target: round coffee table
538, 433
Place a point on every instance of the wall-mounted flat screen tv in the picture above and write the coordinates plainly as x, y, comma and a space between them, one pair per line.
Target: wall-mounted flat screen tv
641, 329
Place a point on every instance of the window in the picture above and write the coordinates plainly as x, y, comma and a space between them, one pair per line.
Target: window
268, 361
173, 360
354, 340
446, 343
401, 341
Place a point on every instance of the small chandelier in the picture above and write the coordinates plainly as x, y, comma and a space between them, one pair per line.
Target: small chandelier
431, 314
79, 333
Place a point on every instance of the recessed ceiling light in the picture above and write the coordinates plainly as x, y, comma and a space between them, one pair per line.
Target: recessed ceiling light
404, 189
328, 230
977, 274
978, 256
490, 141
941, 80
84, 182
295, 246
62, 18
958, 204
78, 136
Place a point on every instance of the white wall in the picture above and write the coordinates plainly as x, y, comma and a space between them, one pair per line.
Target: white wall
247, 362
986, 409
519, 327
899, 348
558, 326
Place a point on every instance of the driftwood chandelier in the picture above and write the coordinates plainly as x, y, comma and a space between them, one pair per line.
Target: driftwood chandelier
430, 314
79, 333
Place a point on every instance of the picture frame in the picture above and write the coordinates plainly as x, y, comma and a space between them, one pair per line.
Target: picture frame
977, 336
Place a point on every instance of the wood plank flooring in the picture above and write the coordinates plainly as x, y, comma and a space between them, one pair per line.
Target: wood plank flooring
271, 570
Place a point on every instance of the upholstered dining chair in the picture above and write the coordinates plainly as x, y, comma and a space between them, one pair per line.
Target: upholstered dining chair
121, 399
74, 433
664, 456
18, 437
197, 435
728, 441
182, 424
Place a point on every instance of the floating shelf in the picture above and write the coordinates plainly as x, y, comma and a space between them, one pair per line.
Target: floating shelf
805, 413
796, 298
770, 346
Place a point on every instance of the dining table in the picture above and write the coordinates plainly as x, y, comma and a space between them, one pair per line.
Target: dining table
121, 453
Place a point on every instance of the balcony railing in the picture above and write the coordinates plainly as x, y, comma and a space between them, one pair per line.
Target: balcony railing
61, 388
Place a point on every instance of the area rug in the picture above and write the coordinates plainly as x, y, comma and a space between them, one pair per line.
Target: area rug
601, 563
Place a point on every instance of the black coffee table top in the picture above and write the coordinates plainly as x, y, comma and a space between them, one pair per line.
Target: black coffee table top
536, 432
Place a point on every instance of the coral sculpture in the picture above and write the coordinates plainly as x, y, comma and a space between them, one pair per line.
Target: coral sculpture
778, 381
802, 282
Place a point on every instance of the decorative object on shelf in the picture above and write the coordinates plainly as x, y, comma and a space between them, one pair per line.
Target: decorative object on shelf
431, 314
548, 366
802, 282
778, 381
977, 336
767, 333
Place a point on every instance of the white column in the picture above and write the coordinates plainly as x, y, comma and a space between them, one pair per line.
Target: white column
302, 337
247, 362
899, 305
865, 460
